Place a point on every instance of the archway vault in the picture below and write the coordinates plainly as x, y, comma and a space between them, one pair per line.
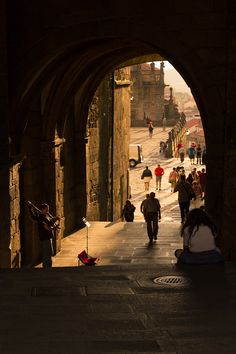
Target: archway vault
80, 69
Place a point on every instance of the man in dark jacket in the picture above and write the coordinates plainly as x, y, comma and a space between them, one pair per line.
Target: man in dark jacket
46, 225
152, 211
185, 190
146, 177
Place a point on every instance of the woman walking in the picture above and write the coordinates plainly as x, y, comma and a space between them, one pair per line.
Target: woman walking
128, 211
146, 176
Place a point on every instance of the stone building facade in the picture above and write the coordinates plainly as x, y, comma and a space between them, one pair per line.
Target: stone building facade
148, 101
147, 94
107, 160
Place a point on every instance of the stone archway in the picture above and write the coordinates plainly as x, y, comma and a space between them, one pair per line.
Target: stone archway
72, 58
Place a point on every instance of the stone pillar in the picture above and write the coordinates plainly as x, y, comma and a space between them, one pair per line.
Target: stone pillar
59, 187
169, 150
5, 253
53, 182
121, 139
80, 178
227, 204
15, 242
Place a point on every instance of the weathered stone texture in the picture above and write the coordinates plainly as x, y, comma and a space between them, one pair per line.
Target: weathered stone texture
15, 244
147, 94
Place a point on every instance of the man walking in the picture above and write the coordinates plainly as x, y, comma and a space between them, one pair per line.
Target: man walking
185, 189
199, 154
181, 153
152, 211
159, 172
202, 180
142, 206
173, 177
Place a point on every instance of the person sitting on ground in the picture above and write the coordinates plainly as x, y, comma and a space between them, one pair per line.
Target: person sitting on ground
128, 211
199, 240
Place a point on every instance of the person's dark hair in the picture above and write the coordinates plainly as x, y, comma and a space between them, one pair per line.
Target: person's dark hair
44, 206
146, 166
198, 217
152, 195
182, 177
128, 202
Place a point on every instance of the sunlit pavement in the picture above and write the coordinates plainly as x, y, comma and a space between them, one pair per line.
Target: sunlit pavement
152, 157
127, 243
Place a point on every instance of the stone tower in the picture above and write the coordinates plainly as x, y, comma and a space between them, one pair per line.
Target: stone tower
147, 94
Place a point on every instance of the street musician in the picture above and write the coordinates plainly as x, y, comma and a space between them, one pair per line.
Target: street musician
46, 225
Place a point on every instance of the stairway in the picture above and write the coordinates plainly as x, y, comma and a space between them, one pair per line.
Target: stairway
121, 243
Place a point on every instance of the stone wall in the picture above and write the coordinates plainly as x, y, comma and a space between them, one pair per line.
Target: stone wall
107, 158
98, 152
5, 254
15, 242
228, 200
58, 207
176, 136
121, 140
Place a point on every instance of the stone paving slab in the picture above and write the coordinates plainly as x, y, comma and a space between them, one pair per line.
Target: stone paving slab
199, 318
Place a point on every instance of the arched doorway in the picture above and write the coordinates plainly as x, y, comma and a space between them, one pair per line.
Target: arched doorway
71, 78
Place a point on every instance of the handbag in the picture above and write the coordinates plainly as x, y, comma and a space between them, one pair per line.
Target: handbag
190, 193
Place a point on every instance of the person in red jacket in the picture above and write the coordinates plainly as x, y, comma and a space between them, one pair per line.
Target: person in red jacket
159, 172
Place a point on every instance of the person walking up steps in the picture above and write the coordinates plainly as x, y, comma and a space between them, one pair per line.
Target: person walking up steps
152, 211
146, 176
173, 177
181, 153
159, 172
150, 129
142, 206
199, 154
185, 190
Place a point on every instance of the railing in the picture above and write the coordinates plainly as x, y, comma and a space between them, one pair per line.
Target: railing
177, 135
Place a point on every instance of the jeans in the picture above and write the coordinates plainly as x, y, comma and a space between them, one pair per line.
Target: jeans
184, 209
152, 225
158, 182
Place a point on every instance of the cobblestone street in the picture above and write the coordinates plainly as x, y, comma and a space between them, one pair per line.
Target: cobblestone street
127, 243
152, 157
